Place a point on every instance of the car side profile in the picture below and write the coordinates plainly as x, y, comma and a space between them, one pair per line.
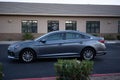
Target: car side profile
58, 44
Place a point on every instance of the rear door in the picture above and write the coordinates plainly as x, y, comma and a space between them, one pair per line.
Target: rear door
73, 43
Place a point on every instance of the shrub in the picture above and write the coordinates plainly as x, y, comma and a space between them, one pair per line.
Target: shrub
73, 69
95, 34
1, 71
9, 39
109, 37
27, 36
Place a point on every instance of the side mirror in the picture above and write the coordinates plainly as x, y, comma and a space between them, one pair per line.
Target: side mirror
43, 41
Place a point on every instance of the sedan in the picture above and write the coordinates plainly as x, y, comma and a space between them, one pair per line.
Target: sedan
58, 44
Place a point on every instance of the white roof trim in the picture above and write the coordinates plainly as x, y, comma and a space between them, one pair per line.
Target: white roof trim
44, 14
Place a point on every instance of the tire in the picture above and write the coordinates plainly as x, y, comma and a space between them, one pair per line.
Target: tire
88, 54
27, 55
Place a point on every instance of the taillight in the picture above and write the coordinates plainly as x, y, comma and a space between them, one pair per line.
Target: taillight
102, 41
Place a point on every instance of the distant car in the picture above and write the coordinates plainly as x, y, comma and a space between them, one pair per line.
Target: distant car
58, 44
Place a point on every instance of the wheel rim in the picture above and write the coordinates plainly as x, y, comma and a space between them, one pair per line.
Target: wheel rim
27, 56
88, 54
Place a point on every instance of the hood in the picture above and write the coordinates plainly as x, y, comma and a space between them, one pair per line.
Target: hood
23, 42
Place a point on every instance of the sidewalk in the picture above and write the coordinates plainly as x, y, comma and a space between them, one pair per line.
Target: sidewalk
112, 76
108, 42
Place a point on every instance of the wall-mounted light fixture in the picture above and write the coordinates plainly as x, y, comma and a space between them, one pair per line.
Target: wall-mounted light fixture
9, 21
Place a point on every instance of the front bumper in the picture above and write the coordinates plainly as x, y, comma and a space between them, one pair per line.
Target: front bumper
11, 55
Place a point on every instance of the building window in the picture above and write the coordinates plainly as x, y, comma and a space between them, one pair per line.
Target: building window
53, 25
29, 26
71, 25
93, 26
118, 26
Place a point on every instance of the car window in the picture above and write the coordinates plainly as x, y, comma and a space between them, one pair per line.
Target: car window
57, 36
75, 36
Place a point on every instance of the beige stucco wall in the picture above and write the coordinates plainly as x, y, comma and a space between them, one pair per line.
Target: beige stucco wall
109, 25
12, 24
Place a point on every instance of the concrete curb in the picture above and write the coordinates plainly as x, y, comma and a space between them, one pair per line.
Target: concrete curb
8, 42
54, 78
112, 42
109, 74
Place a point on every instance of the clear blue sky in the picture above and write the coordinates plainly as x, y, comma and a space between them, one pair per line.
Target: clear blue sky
101, 2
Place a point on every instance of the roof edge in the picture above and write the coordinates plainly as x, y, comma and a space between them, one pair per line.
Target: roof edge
68, 15
57, 3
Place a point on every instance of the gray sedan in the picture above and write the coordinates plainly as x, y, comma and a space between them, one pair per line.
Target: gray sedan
58, 44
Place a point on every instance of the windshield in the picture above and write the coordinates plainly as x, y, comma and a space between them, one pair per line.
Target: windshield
41, 37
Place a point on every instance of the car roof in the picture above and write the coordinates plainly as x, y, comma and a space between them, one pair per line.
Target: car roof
64, 31
72, 31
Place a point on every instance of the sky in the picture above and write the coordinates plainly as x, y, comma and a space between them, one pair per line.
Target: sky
98, 2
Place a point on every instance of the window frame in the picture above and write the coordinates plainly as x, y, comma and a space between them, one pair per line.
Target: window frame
72, 24
30, 28
92, 26
52, 25
118, 26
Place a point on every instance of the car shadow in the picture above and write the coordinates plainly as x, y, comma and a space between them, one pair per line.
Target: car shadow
97, 59
40, 60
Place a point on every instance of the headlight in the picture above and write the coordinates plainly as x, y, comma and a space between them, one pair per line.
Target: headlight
13, 47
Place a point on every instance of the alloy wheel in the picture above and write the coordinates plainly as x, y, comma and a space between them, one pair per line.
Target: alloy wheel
88, 54
27, 56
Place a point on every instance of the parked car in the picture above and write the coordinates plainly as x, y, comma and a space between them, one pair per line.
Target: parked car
58, 44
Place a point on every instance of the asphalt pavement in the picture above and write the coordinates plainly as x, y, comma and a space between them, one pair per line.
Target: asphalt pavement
106, 64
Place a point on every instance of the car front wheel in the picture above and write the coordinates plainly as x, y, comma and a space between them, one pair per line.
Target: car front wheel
27, 55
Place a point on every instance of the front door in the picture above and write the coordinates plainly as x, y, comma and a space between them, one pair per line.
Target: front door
53, 46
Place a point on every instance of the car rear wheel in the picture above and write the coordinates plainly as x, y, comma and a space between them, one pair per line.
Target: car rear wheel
27, 55
88, 54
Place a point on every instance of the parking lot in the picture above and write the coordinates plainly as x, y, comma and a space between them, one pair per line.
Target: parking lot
108, 63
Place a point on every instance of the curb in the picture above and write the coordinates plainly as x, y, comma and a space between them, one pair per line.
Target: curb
8, 42
109, 74
54, 78
112, 41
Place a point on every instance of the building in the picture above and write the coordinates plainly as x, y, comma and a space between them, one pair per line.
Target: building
40, 18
